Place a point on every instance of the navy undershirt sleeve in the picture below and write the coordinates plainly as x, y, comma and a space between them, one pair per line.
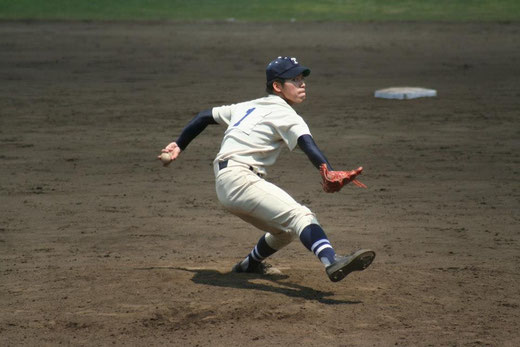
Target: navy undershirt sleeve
309, 147
195, 127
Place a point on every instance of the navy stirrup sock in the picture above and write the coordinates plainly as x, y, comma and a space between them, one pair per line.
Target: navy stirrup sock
261, 251
314, 239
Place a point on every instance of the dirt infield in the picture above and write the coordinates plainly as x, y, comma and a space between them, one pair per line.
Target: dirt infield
101, 245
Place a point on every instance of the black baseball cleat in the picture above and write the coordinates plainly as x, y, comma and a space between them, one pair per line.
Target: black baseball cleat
259, 268
342, 266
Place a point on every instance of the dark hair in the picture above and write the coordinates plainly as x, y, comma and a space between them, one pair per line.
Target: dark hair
269, 86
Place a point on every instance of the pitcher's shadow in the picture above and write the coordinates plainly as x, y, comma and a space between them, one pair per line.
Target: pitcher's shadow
232, 280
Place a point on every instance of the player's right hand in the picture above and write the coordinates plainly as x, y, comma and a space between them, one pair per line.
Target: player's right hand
172, 149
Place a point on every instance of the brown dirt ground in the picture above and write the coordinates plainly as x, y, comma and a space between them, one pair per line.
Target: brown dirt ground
99, 244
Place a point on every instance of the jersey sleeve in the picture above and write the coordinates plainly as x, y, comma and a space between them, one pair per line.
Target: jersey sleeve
291, 128
222, 114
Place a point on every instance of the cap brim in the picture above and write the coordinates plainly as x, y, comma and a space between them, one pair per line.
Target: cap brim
300, 70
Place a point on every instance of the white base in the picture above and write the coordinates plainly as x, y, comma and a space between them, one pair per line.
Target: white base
404, 93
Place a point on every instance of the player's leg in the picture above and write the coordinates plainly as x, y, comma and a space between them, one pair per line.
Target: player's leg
268, 244
265, 206
276, 211
271, 209
314, 239
253, 263
337, 267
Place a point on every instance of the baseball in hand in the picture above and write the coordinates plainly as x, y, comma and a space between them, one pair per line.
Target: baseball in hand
166, 158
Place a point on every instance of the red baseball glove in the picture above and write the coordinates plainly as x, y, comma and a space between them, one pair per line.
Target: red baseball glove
333, 181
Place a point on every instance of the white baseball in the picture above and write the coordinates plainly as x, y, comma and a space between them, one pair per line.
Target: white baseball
166, 158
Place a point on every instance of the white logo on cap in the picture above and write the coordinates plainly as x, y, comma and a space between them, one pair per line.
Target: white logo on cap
292, 59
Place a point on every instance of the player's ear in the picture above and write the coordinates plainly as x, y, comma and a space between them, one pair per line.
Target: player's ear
277, 86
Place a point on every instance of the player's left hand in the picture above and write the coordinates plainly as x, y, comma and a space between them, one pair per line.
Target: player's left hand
333, 181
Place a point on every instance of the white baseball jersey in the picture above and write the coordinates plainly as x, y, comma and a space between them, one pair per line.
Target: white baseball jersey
257, 129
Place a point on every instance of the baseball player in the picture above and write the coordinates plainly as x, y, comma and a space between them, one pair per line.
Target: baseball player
256, 132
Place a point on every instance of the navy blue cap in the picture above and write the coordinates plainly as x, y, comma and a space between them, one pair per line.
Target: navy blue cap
285, 67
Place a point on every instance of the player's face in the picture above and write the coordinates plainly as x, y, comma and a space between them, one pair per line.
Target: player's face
293, 90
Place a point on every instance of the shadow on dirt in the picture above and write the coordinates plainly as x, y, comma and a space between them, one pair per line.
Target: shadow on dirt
279, 284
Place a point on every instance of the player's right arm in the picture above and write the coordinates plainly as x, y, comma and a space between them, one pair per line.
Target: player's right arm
192, 130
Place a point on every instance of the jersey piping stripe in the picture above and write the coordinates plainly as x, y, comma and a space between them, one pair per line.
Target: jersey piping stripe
247, 114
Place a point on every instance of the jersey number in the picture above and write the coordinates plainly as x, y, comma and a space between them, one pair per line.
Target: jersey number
248, 112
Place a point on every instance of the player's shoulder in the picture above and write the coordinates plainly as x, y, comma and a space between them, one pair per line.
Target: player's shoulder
272, 106
239, 105
268, 100
276, 104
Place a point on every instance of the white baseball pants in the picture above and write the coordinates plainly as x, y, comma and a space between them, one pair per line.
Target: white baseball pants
261, 204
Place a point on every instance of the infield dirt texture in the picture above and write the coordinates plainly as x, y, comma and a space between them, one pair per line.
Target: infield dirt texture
101, 245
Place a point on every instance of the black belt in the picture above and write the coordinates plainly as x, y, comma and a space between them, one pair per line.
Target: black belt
224, 164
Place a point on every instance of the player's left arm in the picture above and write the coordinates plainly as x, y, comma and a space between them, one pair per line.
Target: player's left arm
333, 181
309, 147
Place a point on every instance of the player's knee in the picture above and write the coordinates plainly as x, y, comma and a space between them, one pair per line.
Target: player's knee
299, 218
278, 241
304, 218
